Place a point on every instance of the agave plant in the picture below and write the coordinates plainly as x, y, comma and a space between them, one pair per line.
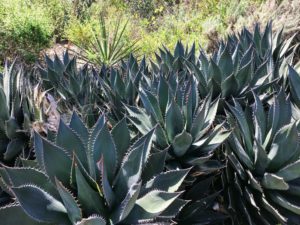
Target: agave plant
263, 171
120, 86
205, 207
167, 62
93, 176
16, 115
267, 45
72, 87
184, 124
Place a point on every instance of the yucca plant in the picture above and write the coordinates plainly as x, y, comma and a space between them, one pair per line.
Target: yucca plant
73, 88
263, 163
105, 48
94, 176
184, 124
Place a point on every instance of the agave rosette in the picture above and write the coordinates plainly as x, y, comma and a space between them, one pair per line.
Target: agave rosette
72, 87
184, 124
264, 163
93, 176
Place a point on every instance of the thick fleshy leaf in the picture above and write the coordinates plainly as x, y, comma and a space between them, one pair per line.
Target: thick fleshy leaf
294, 79
70, 203
20, 176
181, 143
290, 172
154, 166
127, 204
130, 171
168, 181
69, 140
174, 120
14, 148
151, 104
56, 161
285, 203
77, 125
13, 214
151, 205
284, 147
104, 146
90, 199
243, 124
106, 187
92, 220
121, 136
40, 205
272, 181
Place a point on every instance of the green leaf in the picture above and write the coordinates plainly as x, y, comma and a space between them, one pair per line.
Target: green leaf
14, 148
70, 203
272, 181
4, 113
225, 63
40, 205
90, 199
151, 104
181, 143
56, 161
92, 220
243, 124
163, 93
121, 136
174, 120
127, 204
20, 176
77, 125
229, 86
285, 203
13, 214
261, 160
155, 165
69, 140
241, 153
284, 147
106, 187
130, 171
11, 128
294, 79
169, 181
151, 205
290, 172
104, 146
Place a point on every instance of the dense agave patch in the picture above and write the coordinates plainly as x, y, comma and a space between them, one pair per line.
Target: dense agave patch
183, 123
73, 88
94, 174
16, 115
190, 120
263, 172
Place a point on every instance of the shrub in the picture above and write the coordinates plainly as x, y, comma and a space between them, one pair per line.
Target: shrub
26, 29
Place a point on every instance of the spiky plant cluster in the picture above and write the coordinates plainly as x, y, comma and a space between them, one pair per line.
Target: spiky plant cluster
182, 139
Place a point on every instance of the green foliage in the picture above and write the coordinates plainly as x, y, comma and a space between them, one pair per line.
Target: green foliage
105, 172
26, 29
16, 115
263, 156
106, 47
188, 137
76, 87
